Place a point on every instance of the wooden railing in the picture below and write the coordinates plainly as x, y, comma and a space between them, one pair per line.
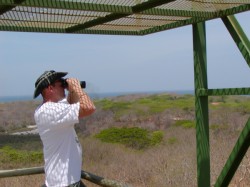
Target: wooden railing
84, 175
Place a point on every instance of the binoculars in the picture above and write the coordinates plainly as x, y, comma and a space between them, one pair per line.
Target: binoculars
65, 84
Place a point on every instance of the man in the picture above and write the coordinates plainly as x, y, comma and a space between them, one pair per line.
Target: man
55, 119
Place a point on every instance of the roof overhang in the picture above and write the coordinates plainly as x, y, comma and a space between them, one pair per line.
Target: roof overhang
116, 17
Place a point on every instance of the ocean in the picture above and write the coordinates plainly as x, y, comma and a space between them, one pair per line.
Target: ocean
4, 99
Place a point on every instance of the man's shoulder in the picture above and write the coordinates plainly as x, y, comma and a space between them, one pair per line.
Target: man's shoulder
50, 104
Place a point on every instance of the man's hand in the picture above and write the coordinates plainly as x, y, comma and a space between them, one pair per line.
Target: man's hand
77, 94
73, 84
73, 88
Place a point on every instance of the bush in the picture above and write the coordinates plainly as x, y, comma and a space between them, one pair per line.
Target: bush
185, 123
134, 137
146, 106
9, 154
157, 137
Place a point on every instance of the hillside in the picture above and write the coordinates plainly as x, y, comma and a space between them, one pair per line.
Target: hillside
162, 165
157, 111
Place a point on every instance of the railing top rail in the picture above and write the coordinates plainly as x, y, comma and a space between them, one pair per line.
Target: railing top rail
84, 175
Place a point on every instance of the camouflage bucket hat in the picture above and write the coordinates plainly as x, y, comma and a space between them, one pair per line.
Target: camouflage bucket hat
47, 78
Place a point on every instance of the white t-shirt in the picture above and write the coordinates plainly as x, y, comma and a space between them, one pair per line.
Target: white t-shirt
61, 148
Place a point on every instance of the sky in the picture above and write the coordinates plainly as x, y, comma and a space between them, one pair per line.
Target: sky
161, 61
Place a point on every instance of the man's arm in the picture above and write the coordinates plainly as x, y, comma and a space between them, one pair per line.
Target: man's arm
77, 94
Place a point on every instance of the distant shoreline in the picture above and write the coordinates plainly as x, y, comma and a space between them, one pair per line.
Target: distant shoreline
5, 99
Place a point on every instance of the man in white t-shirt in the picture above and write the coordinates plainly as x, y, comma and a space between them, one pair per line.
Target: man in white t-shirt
55, 119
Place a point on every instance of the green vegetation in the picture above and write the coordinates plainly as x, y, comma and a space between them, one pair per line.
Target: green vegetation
20, 150
134, 137
154, 104
172, 140
149, 105
218, 127
21, 142
185, 124
157, 111
233, 103
157, 137
227, 115
9, 154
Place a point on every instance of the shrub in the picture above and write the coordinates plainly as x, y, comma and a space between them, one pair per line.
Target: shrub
157, 137
145, 106
134, 137
185, 123
9, 154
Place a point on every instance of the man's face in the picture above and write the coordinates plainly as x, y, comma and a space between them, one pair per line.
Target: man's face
58, 90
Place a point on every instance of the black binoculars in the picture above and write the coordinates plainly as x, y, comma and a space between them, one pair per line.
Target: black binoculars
65, 84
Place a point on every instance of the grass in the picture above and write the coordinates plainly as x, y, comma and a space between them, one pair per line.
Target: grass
15, 156
16, 149
21, 142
